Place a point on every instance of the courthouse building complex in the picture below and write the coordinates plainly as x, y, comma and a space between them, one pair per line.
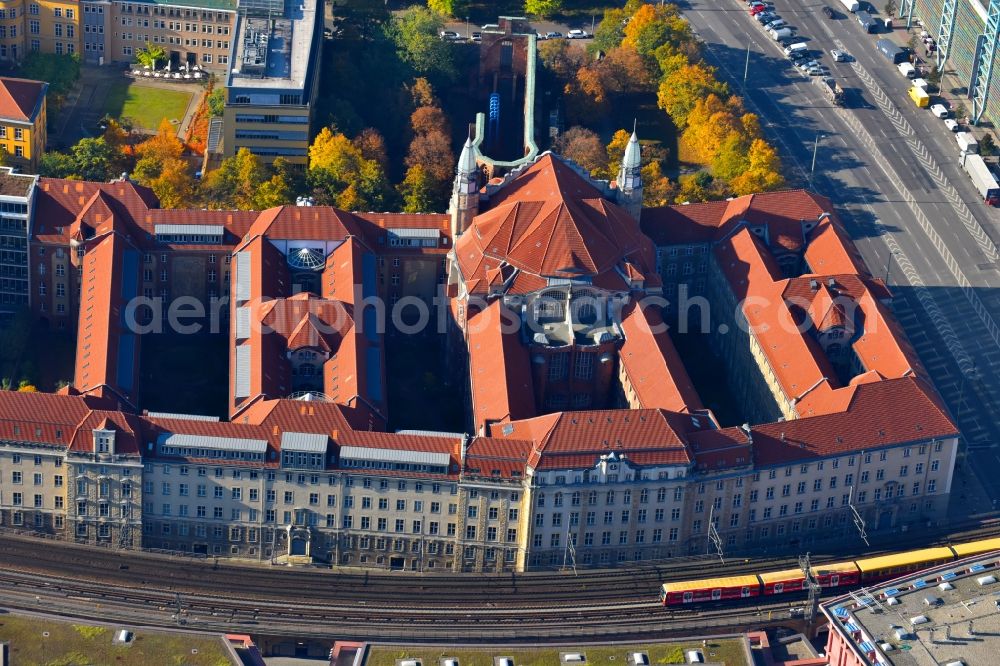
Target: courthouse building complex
586, 438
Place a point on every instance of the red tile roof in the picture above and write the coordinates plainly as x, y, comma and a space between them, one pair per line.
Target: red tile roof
551, 222
499, 368
63, 421
488, 457
21, 99
577, 439
652, 364
103, 357
871, 419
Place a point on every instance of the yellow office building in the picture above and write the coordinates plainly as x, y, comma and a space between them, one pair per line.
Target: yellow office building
22, 121
48, 26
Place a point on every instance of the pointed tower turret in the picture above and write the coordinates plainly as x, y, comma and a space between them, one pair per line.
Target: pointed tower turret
629, 194
464, 204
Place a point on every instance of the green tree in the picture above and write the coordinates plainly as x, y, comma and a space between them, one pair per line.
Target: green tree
235, 183
653, 26
419, 191
340, 174
54, 164
216, 102
416, 35
560, 58
151, 56
611, 30
543, 8
273, 192
155, 151
694, 187
94, 159
584, 147
763, 172
174, 185
657, 190
334, 154
681, 89
987, 146
60, 71
293, 176
448, 7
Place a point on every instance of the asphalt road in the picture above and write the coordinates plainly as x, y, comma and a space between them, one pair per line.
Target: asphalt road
892, 171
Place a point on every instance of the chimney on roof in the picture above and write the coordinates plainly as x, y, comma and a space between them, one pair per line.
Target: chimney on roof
465, 447
814, 284
822, 216
831, 283
746, 431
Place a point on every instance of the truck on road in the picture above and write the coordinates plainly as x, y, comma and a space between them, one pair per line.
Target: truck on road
981, 177
893, 53
867, 22
967, 143
851, 5
920, 97
831, 89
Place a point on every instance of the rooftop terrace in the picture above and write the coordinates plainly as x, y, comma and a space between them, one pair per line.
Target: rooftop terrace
274, 51
945, 615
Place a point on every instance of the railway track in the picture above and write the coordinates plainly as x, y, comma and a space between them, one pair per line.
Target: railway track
323, 587
71, 599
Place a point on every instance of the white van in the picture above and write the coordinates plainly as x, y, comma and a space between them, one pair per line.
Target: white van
907, 70
777, 34
941, 111
798, 47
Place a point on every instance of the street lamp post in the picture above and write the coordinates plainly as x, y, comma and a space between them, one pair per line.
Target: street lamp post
812, 169
467, 34
888, 265
746, 67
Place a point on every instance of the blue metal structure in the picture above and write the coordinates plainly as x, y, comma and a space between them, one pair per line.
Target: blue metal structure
983, 74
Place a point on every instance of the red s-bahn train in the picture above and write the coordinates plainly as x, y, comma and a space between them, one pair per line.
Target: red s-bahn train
838, 574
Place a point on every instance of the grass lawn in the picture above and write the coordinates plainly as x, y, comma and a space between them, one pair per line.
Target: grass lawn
146, 104
728, 652
72, 645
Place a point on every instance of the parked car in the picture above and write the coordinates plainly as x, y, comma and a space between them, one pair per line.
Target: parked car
757, 9
940, 110
840, 56
449, 35
828, 12
578, 34
774, 25
766, 17
477, 36
815, 71
553, 35
951, 124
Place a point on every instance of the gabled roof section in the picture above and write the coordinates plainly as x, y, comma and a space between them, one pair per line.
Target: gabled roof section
551, 222
652, 364
305, 222
871, 419
21, 99
500, 369
578, 439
